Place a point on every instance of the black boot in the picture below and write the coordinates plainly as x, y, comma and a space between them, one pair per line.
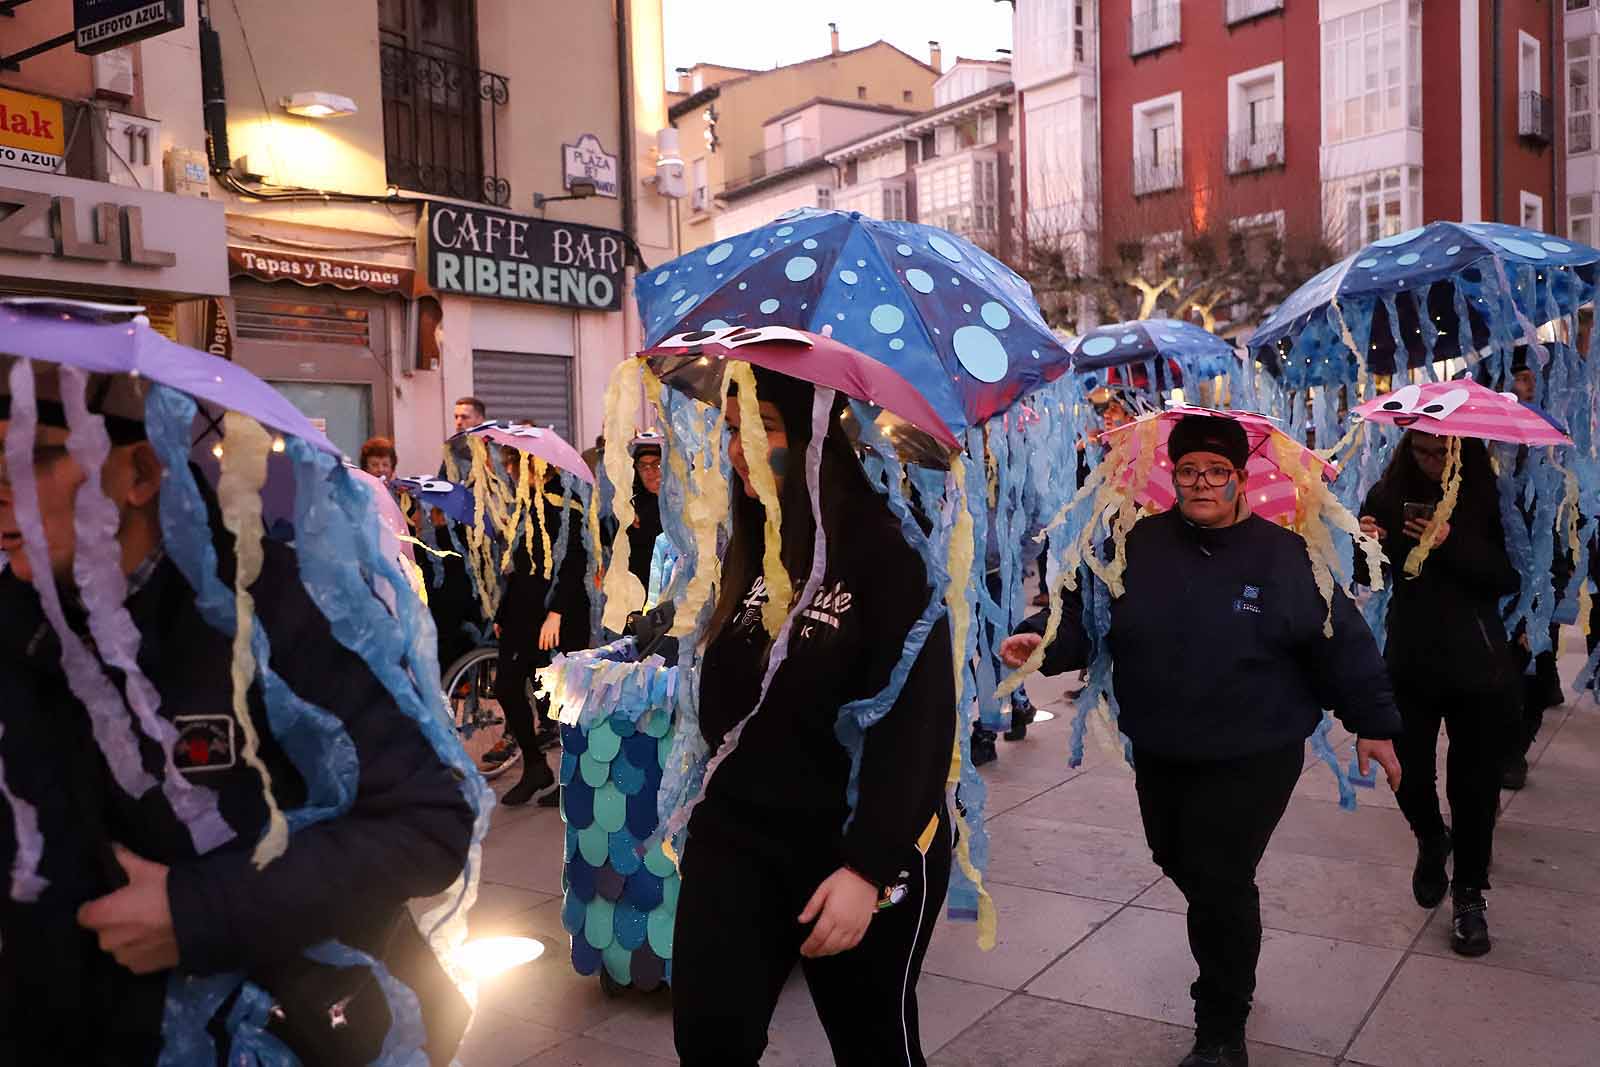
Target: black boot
1021, 719
536, 777
1515, 774
1429, 881
1469, 927
983, 747
1217, 1054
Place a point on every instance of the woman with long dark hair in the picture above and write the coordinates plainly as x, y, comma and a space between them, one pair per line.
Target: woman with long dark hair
1450, 663
779, 868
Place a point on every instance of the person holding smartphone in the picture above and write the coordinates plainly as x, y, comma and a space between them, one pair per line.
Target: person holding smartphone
1450, 662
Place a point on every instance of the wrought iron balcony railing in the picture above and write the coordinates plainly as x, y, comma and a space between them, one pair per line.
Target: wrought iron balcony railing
441, 129
1154, 27
1156, 173
1256, 149
1536, 117
1242, 10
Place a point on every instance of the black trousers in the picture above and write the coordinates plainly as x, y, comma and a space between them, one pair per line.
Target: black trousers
1540, 690
737, 939
512, 671
1208, 825
1479, 724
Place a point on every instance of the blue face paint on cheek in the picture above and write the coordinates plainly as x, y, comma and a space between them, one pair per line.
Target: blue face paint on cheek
1230, 490
779, 458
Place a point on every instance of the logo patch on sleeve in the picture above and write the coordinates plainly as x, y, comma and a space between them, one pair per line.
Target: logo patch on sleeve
1249, 601
205, 743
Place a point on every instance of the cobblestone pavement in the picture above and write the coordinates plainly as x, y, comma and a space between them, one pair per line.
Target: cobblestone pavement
1092, 965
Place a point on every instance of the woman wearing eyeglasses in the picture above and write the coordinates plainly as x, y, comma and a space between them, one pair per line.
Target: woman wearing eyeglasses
1451, 663
647, 459
1221, 671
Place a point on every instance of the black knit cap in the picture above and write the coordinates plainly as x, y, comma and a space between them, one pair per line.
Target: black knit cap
1209, 433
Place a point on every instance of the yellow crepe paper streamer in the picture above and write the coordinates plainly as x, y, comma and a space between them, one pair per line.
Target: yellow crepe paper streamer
244, 472
1441, 514
1350, 343
480, 545
1109, 485
1570, 517
518, 515
540, 468
1314, 505
962, 549
705, 510
758, 456
623, 592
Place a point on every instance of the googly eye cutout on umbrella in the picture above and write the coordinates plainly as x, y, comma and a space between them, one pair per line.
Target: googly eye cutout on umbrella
112, 383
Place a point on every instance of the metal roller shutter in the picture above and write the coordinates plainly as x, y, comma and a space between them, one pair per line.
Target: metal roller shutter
519, 385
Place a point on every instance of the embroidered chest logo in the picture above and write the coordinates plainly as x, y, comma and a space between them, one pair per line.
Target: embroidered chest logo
828, 608
753, 600
1249, 601
205, 743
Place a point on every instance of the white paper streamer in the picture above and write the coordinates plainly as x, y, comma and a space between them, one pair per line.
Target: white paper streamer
26, 882
97, 567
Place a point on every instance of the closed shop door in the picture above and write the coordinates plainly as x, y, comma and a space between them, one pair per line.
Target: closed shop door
524, 387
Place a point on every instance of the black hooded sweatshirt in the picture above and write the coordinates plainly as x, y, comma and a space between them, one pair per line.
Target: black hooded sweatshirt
789, 774
1444, 624
522, 606
1217, 645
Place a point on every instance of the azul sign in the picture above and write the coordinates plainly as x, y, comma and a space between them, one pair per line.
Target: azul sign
509, 257
587, 159
101, 25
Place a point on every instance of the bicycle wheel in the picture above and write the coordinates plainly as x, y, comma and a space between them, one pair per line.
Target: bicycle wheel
469, 688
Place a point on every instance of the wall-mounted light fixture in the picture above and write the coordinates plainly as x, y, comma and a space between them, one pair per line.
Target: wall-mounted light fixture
318, 105
580, 189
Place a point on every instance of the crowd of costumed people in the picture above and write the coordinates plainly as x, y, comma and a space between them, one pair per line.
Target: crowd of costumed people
767, 632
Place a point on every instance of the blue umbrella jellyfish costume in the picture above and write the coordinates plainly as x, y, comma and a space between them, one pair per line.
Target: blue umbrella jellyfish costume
963, 330
1153, 357
191, 403
1429, 304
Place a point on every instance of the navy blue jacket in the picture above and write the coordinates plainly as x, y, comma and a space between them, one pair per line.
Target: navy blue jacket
406, 834
1217, 646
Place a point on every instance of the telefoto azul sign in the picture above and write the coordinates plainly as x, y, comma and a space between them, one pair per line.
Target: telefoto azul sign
101, 25
509, 257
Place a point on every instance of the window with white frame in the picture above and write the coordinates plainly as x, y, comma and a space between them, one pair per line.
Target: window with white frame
1158, 144
1581, 55
1532, 211
1580, 218
886, 201
961, 196
889, 164
988, 127
1378, 204
1372, 71
824, 197
793, 135
1049, 35
1255, 119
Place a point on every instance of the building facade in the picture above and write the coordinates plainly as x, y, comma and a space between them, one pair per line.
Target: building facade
1348, 120
394, 202
722, 124
950, 166
86, 209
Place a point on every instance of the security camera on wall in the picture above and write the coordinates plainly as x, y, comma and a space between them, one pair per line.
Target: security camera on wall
670, 180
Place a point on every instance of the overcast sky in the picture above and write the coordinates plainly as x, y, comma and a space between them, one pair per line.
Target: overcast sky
761, 34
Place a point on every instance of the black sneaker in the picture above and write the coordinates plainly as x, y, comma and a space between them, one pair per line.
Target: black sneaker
1469, 927
536, 777
1429, 881
983, 748
1217, 1054
503, 750
1515, 774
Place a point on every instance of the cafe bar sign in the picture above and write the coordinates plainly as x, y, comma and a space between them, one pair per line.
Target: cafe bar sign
473, 252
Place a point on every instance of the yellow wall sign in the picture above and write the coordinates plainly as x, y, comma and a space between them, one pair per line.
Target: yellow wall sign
32, 133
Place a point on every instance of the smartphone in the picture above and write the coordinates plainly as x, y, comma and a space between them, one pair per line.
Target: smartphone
1415, 510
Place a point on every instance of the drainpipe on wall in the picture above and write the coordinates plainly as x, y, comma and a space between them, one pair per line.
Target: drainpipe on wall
630, 142
1497, 126
1556, 223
